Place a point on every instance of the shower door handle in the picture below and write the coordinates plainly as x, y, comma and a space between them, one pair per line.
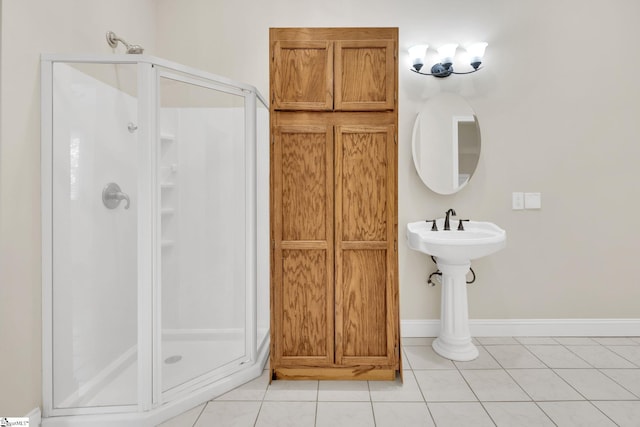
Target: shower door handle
112, 196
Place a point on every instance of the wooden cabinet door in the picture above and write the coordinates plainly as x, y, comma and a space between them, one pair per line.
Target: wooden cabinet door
365, 75
302, 75
302, 230
365, 229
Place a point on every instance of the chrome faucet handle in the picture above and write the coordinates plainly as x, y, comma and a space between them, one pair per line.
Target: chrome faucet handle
112, 196
433, 227
460, 226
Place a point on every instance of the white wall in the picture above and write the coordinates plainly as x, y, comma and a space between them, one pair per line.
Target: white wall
557, 105
29, 28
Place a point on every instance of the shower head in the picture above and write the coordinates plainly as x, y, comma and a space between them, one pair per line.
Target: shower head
113, 40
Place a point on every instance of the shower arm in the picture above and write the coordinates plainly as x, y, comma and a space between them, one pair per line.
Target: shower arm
113, 40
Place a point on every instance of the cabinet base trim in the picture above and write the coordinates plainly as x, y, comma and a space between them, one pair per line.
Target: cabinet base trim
351, 373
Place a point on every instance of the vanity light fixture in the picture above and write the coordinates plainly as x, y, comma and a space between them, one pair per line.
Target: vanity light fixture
444, 68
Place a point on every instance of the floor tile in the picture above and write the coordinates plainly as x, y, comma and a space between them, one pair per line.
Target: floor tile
514, 356
557, 356
537, 340
496, 340
627, 378
521, 414
405, 361
395, 391
470, 414
253, 390
423, 357
444, 386
292, 390
594, 385
345, 414
575, 414
286, 414
483, 361
575, 340
600, 357
346, 391
393, 414
186, 419
494, 385
416, 341
544, 384
625, 414
569, 381
229, 414
629, 352
615, 341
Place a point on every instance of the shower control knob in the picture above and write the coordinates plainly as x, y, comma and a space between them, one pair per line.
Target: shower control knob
112, 195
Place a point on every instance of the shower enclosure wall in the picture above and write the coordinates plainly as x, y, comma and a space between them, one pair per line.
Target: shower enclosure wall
155, 238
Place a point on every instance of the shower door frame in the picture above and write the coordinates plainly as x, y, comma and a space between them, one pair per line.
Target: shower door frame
250, 249
150, 399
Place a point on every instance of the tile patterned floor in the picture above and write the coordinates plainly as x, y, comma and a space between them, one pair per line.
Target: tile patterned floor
531, 381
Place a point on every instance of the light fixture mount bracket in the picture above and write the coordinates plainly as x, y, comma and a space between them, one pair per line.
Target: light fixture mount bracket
440, 70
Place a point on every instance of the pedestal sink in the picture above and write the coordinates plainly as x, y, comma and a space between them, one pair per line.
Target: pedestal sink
453, 250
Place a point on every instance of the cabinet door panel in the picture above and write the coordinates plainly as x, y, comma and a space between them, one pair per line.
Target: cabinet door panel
304, 301
365, 75
302, 75
363, 182
366, 319
302, 230
364, 303
305, 187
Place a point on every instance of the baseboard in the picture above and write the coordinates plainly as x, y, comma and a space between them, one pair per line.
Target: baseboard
529, 327
35, 417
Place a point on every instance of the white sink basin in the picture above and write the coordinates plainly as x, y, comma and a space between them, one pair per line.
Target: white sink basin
453, 250
478, 239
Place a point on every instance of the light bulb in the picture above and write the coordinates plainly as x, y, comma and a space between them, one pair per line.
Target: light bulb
446, 53
417, 53
476, 52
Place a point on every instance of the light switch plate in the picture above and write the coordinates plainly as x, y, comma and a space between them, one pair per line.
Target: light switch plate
517, 201
532, 201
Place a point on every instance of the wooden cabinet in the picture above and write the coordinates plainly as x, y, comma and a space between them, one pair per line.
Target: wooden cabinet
334, 284
312, 69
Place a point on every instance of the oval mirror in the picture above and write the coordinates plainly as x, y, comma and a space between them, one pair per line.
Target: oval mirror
446, 143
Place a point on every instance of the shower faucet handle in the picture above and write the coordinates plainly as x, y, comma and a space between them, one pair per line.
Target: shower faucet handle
112, 195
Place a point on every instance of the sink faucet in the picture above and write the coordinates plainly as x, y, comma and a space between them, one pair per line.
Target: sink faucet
446, 219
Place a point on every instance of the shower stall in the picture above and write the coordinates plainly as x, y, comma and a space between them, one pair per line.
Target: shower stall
155, 238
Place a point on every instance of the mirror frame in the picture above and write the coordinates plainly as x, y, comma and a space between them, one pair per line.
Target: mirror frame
421, 143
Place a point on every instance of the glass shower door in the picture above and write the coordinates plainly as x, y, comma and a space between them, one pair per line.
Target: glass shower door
203, 217
95, 185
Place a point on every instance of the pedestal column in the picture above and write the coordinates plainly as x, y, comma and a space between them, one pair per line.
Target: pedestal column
454, 341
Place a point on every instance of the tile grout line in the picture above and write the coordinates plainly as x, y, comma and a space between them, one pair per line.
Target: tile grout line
315, 418
637, 395
255, 423
195, 423
630, 361
424, 398
471, 388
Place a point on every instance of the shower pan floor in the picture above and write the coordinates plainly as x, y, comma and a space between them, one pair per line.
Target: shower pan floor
196, 357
